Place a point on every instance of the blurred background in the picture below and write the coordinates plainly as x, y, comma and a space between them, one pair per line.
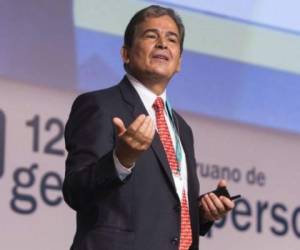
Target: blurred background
239, 88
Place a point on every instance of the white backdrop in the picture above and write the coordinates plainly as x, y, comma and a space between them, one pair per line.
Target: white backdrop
34, 216
43, 227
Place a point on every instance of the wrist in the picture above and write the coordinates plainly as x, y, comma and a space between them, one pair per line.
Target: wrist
125, 161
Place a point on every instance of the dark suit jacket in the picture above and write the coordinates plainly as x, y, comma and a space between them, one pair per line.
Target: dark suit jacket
143, 211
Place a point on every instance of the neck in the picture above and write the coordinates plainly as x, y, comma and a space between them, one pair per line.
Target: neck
157, 88
155, 84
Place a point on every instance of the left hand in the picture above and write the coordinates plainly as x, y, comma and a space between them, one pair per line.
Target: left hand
213, 207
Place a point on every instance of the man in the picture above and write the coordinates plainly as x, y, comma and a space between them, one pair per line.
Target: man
131, 171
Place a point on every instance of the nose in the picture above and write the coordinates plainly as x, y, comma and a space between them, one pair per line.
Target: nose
161, 43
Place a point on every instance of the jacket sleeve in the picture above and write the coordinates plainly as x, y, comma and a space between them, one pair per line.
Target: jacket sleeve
204, 227
90, 140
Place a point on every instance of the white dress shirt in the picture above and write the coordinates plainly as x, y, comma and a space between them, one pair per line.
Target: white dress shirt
148, 98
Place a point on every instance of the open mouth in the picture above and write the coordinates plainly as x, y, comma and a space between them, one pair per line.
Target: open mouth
161, 57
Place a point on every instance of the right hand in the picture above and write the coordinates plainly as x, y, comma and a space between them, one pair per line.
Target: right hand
134, 140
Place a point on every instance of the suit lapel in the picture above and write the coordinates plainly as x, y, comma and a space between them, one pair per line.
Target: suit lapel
189, 159
186, 147
191, 175
158, 149
132, 98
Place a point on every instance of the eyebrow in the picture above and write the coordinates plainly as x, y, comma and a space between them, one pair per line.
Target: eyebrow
169, 33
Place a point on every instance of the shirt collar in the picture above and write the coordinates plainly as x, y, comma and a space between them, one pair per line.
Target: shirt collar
148, 97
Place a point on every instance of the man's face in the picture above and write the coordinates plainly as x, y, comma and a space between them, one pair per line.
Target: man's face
155, 52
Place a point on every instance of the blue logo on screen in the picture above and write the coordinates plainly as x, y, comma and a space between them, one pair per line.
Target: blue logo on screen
2, 142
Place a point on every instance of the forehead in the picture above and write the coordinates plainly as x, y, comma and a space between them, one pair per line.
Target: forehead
162, 23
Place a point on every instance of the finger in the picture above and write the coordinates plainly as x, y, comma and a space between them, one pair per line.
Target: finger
149, 131
142, 129
148, 135
218, 204
228, 204
140, 138
222, 183
212, 208
206, 210
119, 124
153, 130
134, 126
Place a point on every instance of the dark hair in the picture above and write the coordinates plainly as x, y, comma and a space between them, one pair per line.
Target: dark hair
152, 11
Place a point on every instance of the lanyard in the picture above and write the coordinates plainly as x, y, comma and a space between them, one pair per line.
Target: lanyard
178, 149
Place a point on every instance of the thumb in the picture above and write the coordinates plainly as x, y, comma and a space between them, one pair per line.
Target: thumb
222, 183
119, 124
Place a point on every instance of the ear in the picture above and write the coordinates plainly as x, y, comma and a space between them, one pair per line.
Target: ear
125, 54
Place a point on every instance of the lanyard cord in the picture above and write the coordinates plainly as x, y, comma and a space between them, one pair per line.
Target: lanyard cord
178, 149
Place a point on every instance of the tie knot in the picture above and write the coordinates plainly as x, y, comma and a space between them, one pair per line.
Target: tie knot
158, 105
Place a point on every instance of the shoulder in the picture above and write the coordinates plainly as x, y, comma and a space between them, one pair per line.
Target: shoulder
104, 100
98, 96
92, 105
184, 129
90, 108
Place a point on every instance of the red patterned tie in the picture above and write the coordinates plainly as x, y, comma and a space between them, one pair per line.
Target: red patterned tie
165, 137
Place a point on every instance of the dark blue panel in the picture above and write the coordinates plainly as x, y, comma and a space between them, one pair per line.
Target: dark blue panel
98, 58
237, 91
207, 85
